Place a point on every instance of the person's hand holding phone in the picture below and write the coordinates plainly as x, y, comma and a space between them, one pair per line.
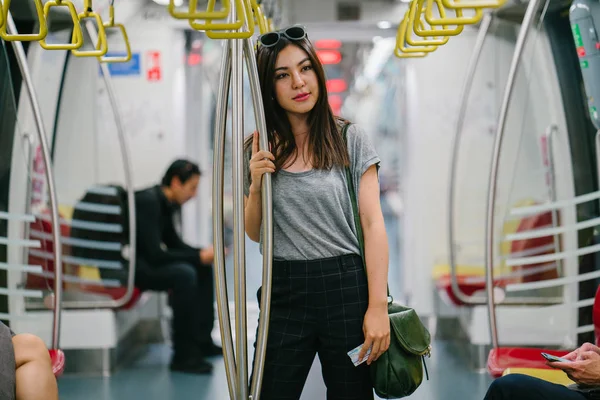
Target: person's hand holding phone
584, 369
575, 354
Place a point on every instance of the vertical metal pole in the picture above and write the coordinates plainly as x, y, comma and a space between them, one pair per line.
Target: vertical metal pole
598, 154
239, 251
532, 8
22, 61
127, 169
267, 226
468, 83
218, 188
550, 133
29, 189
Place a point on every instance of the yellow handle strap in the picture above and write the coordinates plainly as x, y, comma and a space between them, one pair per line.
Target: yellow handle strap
244, 15
460, 19
102, 45
401, 48
473, 3
209, 25
259, 17
433, 30
39, 8
412, 21
111, 25
77, 37
193, 13
2, 19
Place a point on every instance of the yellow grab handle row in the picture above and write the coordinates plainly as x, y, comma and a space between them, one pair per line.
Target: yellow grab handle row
77, 40
421, 20
248, 12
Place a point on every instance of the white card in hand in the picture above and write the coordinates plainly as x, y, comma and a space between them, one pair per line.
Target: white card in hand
353, 354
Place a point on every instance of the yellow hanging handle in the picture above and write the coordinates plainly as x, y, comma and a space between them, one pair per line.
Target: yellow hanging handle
77, 37
433, 30
460, 19
39, 8
244, 14
402, 51
259, 17
1, 15
399, 54
111, 25
473, 3
209, 25
102, 45
193, 13
244, 9
412, 21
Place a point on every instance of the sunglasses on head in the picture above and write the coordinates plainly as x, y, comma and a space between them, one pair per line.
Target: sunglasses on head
296, 32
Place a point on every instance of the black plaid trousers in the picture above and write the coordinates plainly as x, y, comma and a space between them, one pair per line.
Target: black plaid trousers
317, 307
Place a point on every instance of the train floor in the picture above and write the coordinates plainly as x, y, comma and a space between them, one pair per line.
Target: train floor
150, 379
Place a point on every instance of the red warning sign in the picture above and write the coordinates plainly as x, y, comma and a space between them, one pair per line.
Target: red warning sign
154, 68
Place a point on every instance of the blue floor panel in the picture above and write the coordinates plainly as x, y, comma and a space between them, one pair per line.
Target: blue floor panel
150, 379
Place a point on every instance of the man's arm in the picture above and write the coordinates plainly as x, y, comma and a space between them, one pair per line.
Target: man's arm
172, 239
150, 237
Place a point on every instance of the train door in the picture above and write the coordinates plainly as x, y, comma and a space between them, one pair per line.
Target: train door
581, 134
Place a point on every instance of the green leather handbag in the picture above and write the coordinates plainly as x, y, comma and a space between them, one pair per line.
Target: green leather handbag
399, 371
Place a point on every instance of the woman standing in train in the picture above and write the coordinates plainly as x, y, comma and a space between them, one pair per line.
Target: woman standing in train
322, 301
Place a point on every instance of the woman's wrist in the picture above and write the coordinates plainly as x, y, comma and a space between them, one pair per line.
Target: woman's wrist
378, 302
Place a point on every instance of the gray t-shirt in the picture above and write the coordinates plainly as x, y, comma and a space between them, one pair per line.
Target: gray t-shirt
312, 210
7, 364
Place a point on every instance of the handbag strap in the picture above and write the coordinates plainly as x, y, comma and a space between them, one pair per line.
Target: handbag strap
354, 201
359, 231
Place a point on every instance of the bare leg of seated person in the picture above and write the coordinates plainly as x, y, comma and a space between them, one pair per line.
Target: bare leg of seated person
35, 379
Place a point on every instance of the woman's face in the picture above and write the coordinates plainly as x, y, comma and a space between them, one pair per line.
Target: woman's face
296, 83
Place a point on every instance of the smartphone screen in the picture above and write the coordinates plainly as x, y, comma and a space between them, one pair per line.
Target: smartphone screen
552, 358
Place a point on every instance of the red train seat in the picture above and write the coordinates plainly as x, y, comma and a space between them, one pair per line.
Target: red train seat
114, 293
517, 357
474, 280
45, 227
44, 283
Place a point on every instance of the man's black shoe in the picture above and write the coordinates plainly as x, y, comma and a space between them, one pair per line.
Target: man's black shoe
191, 367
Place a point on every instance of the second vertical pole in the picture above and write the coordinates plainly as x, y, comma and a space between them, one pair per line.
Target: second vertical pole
239, 250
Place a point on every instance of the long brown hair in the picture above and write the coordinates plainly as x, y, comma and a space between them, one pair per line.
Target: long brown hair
326, 144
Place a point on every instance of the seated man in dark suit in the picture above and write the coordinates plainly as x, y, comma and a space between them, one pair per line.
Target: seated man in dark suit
166, 263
